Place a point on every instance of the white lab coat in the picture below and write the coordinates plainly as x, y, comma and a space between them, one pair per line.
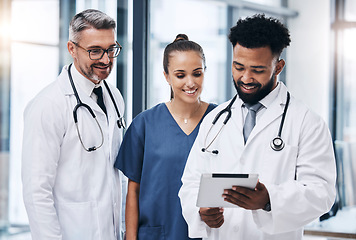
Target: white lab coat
300, 179
71, 194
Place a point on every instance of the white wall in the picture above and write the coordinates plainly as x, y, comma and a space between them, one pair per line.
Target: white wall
308, 56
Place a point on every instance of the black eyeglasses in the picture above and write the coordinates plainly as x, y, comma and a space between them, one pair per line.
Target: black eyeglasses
98, 53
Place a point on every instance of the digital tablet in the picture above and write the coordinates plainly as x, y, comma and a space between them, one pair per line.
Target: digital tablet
212, 186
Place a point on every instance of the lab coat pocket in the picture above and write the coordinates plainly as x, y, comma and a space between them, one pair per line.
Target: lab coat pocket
151, 233
282, 164
78, 220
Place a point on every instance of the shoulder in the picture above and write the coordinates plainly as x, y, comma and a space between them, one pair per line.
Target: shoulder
306, 116
212, 111
215, 108
302, 118
55, 92
300, 109
151, 112
211, 106
148, 116
50, 98
47, 110
297, 108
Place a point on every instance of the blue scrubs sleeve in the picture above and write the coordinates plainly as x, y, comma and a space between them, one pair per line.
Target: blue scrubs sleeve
130, 157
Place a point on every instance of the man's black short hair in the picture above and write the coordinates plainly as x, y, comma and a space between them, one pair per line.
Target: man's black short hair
258, 31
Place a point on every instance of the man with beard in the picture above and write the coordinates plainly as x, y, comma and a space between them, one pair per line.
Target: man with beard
296, 171
71, 138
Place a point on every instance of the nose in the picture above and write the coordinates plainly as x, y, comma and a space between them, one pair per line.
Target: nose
190, 82
105, 59
247, 77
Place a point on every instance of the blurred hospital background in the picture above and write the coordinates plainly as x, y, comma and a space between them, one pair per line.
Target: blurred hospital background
320, 70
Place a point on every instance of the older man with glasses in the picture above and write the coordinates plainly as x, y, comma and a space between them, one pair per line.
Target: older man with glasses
71, 189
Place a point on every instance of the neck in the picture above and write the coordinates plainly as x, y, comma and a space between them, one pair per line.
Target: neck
184, 110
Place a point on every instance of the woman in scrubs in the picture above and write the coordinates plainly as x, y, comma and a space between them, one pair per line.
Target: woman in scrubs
156, 146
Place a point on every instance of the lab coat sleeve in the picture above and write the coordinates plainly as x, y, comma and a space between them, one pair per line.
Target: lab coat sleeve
190, 186
297, 202
44, 129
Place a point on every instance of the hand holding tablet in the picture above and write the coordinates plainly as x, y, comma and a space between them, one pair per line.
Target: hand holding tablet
212, 186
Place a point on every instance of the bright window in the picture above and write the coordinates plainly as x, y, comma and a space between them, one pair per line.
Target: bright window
204, 22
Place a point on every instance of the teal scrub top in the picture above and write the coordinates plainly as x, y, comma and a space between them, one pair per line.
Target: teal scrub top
153, 153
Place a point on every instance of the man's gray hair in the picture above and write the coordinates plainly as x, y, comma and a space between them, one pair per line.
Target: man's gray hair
89, 18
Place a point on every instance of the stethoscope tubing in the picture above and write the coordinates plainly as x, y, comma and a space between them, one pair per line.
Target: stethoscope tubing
227, 109
284, 115
227, 118
120, 122
277, 143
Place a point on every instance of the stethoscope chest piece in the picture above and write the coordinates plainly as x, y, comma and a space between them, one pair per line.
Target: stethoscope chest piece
277, 144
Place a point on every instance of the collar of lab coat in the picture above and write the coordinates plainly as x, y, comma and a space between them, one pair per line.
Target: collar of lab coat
273, 111
84, 94
82, 82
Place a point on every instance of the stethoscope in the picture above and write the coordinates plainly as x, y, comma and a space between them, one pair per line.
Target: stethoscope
120, 121
276, 144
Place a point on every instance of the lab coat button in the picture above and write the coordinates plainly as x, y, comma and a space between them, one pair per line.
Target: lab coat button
236, 228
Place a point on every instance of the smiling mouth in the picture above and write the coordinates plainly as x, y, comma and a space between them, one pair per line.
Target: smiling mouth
248, 87
190, 91
101, 67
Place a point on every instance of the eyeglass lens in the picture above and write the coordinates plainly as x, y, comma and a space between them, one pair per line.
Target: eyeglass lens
96, 54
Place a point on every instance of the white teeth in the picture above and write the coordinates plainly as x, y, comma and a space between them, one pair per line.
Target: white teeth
190, 92
248, 88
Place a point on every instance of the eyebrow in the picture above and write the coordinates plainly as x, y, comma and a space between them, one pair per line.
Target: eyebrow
94, 47
258, 66
199, 68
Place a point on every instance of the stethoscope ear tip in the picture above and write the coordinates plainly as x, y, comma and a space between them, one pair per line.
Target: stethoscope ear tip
92, 149
213, 152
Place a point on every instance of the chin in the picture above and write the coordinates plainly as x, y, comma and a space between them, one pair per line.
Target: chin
99, 77
193, 100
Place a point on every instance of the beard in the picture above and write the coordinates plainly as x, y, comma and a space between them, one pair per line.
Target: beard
260, 93
90, 74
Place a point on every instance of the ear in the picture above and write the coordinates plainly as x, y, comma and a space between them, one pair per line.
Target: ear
279, 67
167, 77
71, 49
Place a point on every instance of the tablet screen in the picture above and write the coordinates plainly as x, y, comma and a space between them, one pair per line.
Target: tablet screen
212, 187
